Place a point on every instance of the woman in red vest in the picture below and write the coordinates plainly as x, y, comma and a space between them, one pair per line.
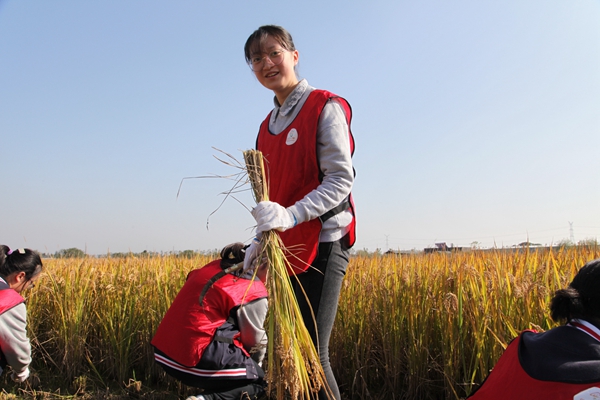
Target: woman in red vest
562, 363
308, 145
19, 270
212, 336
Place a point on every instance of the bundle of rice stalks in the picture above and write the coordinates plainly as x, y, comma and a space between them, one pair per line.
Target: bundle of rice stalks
292, 362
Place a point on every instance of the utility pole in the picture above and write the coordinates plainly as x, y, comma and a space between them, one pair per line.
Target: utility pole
571, 236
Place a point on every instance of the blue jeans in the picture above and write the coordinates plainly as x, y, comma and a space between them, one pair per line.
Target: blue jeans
322, 284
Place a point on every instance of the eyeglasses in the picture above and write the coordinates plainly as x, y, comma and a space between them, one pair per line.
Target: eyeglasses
257, 63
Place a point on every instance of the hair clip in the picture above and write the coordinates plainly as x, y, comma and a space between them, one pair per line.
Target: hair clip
9, 252
21, 251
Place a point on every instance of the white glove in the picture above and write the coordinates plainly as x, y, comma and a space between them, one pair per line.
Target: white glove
252, 252
21, 376
270, 215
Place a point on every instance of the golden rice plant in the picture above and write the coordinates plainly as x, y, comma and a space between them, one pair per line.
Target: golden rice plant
414, 326
292, 362
61, 314
430, 326
96, 316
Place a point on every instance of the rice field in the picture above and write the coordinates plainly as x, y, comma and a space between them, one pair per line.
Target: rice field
419, 326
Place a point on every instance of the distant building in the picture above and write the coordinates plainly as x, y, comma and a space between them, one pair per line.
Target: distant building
441, 247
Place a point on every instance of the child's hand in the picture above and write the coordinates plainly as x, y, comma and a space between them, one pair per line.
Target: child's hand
21, 376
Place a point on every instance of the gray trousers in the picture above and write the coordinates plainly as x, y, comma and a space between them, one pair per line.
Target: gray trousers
322, 284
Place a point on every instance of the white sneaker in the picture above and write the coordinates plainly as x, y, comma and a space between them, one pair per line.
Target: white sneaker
199, 397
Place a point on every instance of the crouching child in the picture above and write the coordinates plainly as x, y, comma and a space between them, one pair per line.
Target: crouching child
212, 336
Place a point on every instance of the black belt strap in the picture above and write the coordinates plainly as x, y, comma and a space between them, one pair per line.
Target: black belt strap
223, 339
343, 206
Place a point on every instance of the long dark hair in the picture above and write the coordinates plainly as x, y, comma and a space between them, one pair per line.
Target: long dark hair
581, 299
20, 260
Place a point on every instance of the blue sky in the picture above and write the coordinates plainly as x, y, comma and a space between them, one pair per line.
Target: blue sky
474, 121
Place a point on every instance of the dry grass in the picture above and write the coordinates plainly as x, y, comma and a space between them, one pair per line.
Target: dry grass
432, 326
292, 363
408, 327
93, 319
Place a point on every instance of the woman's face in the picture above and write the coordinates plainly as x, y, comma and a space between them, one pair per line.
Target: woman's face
281, 78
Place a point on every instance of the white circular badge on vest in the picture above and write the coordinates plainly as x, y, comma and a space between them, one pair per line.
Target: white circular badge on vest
291, 137
589, 394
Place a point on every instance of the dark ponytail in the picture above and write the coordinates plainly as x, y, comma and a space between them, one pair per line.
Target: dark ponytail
582, 298
232, 254
20, 260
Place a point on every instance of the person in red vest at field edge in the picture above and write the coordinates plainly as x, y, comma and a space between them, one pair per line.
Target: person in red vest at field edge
308, 145
212, 336
562, 363
19, 270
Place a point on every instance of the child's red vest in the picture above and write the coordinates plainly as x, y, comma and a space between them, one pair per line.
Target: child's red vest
508, 380
8, 299
292, 171
188, 327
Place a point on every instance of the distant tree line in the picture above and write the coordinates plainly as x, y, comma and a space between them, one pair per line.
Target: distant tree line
588, 242
74, 252
214, 253
69, 253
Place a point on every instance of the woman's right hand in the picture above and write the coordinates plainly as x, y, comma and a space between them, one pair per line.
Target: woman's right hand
270, 215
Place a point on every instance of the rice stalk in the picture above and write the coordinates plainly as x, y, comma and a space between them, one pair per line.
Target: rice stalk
293, 365
468, 306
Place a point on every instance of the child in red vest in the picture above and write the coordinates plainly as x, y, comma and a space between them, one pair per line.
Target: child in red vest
307, 143
19, 270
562, 363
212, 336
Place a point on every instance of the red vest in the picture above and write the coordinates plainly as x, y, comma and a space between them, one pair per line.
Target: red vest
292, 171
8, 299
508, 380
188, 326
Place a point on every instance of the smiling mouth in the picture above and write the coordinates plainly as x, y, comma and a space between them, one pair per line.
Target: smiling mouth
271, 74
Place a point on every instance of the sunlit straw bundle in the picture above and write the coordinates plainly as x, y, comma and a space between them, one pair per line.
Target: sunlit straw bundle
293, 365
